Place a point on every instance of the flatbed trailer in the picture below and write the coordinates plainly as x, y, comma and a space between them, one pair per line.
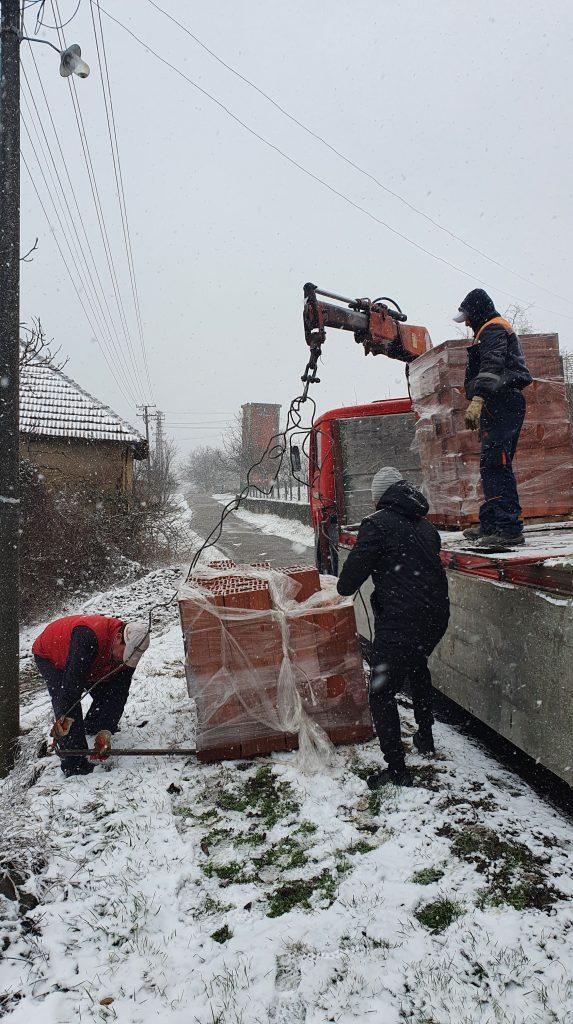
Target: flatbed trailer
507, 657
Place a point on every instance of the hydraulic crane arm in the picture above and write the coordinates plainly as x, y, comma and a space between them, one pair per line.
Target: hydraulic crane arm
380, 329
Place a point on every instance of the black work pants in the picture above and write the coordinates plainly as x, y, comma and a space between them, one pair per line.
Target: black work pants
392, 671
108, 702
500, 426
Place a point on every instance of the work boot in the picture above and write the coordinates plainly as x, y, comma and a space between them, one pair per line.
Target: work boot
474, 532
424, 741
400, 776
498, 542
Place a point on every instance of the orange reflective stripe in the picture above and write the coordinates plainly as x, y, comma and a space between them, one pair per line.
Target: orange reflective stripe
503, 459
496, 320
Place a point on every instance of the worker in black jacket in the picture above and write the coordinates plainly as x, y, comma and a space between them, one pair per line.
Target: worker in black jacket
496, 375
400, 550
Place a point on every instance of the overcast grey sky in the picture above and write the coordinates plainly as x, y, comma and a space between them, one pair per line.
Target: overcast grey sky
464, 109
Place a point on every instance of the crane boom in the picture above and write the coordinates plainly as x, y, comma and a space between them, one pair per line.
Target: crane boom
375, 325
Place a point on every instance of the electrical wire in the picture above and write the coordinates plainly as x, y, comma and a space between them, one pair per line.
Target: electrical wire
99, 209
44, 24
83, 283
74, 285
321, 181
86, 244
112, 131
84, 272
352, 163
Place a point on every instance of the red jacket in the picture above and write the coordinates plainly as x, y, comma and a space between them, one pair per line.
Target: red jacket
54, 642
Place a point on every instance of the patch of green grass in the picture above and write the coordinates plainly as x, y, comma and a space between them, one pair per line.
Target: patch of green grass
306, 828
212, 906
229, 800
222, 934
263, 793
299, 892
375, 802
253, 838
184, 812
357, 767
514, 873
286, 852
427, 875
426, 776
360, 847
232, 872
216, 836
438, 915
204, 816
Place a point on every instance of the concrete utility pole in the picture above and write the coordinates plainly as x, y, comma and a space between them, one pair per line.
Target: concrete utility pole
9, 380
159, 449
143, 412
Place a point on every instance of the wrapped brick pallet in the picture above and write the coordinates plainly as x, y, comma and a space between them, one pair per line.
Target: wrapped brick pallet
449, 452
272, 660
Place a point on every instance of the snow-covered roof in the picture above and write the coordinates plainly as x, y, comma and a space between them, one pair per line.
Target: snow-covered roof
53, 405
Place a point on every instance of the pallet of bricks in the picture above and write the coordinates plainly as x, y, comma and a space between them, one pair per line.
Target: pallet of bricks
450, 454
266, 649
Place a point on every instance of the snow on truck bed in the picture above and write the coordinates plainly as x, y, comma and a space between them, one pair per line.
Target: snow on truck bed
252, 892
553, 542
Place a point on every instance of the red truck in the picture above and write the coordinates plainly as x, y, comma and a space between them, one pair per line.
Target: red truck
508, 654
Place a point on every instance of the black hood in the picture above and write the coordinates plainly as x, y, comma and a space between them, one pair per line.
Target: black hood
405, 500
479, 308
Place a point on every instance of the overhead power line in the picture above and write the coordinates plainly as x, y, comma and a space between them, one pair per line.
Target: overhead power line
112, 131
60, 216
85, 246
321, 181
69, 272
99, 209
351, 163
66, 222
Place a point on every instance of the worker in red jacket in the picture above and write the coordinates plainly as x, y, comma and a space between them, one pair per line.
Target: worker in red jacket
76, 652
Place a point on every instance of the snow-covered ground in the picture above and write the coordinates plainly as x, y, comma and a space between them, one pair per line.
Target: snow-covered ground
299, 533
251, 892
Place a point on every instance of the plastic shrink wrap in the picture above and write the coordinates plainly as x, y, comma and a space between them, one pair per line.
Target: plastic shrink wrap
272, 661
449, 453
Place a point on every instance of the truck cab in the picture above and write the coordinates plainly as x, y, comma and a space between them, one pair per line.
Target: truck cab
347, 447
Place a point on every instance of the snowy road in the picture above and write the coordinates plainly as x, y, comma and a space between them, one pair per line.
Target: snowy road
254, 893
248, 537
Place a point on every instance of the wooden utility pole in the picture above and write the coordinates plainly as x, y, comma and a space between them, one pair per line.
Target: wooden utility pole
9, 379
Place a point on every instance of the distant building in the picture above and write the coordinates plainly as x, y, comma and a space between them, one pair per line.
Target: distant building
73, 439
260, 423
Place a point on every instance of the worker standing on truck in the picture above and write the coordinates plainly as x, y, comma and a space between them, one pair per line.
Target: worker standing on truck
400, 550
496, 375
74, 653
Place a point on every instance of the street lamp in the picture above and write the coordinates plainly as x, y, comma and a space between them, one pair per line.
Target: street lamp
71, 62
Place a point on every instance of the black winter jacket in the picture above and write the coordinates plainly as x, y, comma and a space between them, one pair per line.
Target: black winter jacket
400, 549
496, 362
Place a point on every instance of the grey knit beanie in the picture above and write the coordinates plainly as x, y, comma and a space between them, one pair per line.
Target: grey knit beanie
384, 479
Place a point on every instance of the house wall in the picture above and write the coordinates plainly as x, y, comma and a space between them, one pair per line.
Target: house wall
104, 468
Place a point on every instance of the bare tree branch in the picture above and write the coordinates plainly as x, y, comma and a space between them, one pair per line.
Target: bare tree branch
35, 348
26, 257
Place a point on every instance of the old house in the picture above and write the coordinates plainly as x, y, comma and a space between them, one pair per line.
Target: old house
75, 440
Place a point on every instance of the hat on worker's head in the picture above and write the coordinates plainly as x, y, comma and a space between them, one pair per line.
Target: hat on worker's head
477, 307
383, 479
136, 637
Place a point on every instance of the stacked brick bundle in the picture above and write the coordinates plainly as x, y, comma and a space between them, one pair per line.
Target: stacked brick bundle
449, 452
238, 626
